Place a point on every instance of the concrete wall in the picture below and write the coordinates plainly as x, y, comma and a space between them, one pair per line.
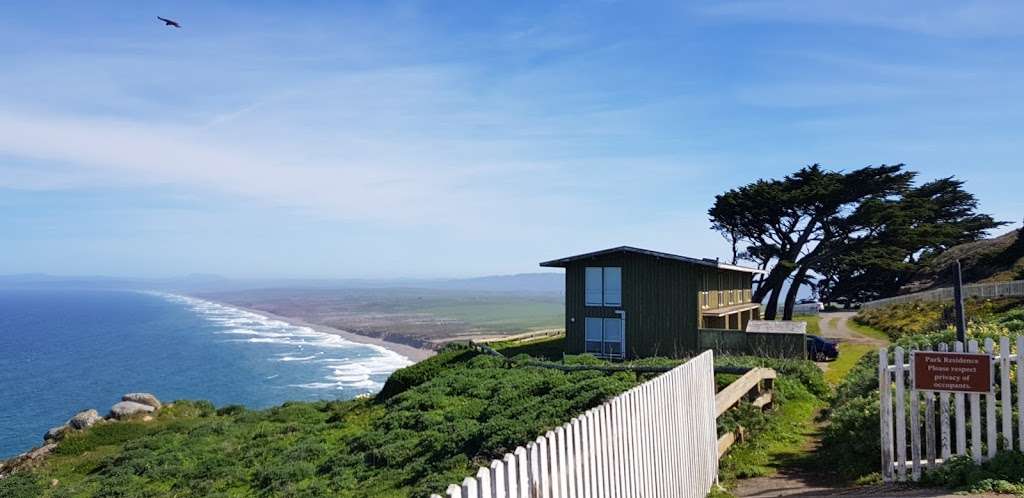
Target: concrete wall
736, 342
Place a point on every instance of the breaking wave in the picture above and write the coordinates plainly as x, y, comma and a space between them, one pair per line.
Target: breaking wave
342, 364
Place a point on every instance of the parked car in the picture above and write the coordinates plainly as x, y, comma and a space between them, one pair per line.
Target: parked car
814, 302
821, 349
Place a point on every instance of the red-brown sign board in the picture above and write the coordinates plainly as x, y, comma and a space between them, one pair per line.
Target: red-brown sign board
952, 372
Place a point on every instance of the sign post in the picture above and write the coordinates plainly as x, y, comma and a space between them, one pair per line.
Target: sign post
952, 372
958, 303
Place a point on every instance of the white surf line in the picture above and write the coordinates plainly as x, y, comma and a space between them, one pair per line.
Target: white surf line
360, 371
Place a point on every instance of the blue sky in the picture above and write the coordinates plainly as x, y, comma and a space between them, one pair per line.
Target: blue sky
424, 139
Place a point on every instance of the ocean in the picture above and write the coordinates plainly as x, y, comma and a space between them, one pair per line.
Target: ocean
62, 351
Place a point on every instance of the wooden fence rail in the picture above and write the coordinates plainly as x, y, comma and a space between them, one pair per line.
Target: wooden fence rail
986, 290
948, 429
656, 440
755, 386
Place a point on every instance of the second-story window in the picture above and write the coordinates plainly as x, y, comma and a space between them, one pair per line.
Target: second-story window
603, 286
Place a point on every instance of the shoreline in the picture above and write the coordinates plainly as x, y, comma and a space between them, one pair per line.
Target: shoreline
411, 353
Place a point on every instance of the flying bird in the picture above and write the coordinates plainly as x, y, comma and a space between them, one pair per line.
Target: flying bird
168, 22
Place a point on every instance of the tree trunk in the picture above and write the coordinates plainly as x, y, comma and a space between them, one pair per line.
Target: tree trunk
772, 308
794, 288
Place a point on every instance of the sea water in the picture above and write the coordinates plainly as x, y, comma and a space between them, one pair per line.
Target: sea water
67, 350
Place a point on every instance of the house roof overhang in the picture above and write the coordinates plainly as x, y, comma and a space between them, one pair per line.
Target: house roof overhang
714, 263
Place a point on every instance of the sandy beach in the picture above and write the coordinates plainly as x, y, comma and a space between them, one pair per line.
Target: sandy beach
412, 353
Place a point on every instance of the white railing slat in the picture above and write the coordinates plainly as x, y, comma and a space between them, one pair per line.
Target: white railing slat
498, 479
901, 418
885, 414
990, 409
1005, 401
946, 451
511, 475
915, 428
929, 427
1020, 393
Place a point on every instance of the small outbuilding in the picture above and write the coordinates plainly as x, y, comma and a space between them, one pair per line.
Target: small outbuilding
627, 302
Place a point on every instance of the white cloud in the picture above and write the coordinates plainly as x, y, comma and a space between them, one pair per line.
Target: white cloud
940, 18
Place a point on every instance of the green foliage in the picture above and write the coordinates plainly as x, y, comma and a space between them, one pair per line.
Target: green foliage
921, 317
414, 375
902, 235
104, 434
850, 443
850, 355
546, 348
20, 485
1002, 474
802, 371
444, 417
778, 436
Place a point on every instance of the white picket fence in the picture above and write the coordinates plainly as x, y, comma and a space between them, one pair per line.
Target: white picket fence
985, 291
944, 415
655, 440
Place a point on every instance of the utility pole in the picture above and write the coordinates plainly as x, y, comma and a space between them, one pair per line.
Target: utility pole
958, 303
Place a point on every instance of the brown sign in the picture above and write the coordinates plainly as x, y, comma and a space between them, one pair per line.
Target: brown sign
953, 372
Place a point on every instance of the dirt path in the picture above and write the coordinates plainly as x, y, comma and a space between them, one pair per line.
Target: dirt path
804, 477
836, 326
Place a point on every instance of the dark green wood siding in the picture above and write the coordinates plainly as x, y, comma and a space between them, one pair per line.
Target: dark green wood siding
660, 298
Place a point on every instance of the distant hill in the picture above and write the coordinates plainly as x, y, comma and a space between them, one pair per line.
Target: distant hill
998, 259
522, 282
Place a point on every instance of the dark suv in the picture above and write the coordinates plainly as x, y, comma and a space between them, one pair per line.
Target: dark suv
821, 349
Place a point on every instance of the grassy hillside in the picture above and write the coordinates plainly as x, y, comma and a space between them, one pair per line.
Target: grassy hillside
998, 259
851, 442
907, 319
432, 424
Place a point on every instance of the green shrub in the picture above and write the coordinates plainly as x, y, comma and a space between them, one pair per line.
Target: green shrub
1004, 473
407, 378
803, 371
104, 434
921, 317
850, 444
20, 485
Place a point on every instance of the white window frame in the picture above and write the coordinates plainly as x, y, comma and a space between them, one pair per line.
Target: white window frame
600, 325
590, 292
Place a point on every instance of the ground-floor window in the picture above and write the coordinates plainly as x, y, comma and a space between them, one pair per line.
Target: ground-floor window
604, 336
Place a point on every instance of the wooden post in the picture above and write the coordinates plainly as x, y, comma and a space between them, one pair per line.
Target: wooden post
958, 303
972, 347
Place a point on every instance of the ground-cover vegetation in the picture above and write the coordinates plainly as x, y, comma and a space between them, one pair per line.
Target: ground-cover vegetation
851, 442
849, 354
919, 317
1004, 473
431, 425
813, 323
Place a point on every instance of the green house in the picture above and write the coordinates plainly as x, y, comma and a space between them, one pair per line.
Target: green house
627, 302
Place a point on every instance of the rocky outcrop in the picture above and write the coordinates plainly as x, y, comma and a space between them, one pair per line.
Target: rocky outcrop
26, 460
126, 409
143, 398
56, 434
85, 419
131, 404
